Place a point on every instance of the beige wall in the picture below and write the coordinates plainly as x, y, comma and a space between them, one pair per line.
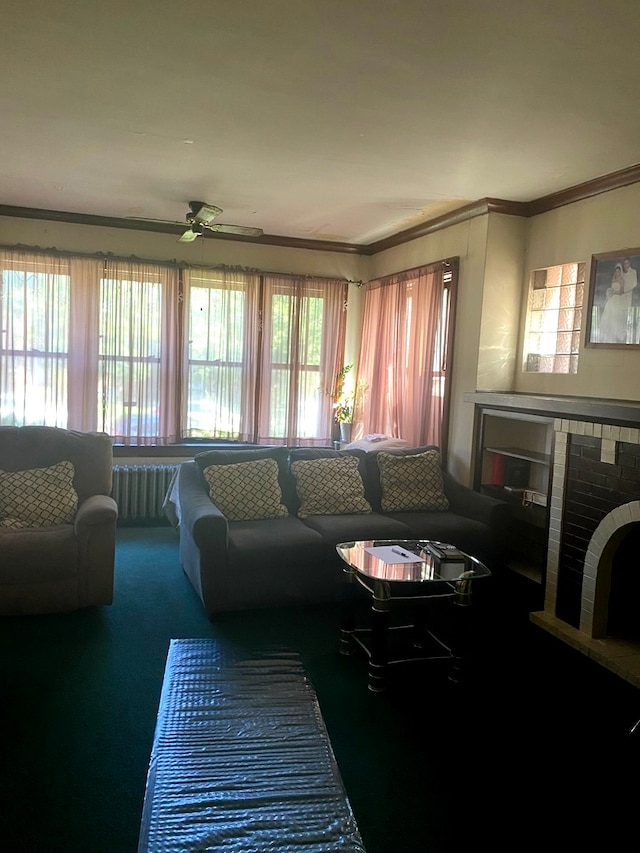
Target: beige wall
501, 303
604, 223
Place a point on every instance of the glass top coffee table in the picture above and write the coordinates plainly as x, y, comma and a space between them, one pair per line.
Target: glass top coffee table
419, 579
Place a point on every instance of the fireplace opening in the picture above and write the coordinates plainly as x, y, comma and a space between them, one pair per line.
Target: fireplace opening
623, 617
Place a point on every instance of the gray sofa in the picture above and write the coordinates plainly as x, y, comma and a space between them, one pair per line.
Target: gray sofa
237, 563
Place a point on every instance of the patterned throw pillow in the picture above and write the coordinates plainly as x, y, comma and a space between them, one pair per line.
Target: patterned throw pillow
246, 490
40, 497
331, 486
412, 483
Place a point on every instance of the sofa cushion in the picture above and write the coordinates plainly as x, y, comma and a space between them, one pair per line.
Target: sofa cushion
329, 486
411, 482
347, 528
260, 544
246, 490
469, 535
39, 497
222, 456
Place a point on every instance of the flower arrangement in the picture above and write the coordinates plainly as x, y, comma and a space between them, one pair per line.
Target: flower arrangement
343, 411
343, 402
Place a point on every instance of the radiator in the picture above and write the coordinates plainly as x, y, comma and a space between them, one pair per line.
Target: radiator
139, 491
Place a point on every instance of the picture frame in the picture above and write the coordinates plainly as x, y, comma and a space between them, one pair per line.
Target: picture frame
613, 304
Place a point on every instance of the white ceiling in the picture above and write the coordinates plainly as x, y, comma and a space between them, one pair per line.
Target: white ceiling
341, 120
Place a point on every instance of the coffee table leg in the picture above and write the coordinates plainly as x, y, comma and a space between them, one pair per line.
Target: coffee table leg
347, 612
461, 630
379, 637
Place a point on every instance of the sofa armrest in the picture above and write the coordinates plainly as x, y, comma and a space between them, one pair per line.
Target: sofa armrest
204, 520
94, 511
471, 504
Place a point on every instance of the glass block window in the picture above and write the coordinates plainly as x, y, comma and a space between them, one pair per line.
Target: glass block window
554, 319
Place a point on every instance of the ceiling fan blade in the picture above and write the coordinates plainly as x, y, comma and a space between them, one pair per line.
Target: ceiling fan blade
189, 236
148, 219
245, 230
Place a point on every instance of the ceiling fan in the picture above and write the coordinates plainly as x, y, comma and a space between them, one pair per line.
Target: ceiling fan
200, 218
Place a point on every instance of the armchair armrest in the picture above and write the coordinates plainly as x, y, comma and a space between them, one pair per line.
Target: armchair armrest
205, 521
96, 511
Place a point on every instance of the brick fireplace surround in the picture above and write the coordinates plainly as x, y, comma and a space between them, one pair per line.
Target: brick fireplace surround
594, 504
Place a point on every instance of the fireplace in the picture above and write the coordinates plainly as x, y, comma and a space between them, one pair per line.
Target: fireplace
592, 571
592, 580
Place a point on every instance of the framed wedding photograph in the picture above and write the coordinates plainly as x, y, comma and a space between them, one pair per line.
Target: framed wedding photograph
613, 305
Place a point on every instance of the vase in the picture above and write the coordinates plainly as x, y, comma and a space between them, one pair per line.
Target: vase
345, 433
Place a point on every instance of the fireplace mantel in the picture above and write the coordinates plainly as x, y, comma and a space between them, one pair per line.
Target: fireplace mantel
596, 409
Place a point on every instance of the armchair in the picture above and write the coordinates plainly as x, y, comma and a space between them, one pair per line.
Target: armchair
57, 520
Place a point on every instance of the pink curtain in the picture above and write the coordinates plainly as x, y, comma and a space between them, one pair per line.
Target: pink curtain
402, 369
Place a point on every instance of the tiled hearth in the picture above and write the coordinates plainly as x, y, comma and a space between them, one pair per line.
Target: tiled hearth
594, 503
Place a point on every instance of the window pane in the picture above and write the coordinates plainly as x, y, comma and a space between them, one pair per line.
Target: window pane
34, 314
296, 335
216, 356
554, 319
129, 358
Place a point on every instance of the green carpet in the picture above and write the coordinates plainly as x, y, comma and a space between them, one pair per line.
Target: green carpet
427, 767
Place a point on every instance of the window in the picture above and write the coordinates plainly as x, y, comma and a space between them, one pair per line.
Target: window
410, 316
34, 316
216, 354
294, 323
130, 346
152, 353
554, 318
262, 351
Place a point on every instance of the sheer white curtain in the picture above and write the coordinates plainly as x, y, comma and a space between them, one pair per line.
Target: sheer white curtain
89, 344
34, 346
138, 352
83, 343
403, 361
302, 338
220, 353
261, 355
151, 354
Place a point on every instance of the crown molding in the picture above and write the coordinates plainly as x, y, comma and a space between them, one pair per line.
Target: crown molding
588, 189
603, 184
446, 220
177, 229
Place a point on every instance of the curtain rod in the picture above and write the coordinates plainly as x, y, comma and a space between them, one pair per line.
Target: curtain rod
173, 262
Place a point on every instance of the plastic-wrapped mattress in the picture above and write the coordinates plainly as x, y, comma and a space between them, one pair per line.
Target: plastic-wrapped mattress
241, 759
